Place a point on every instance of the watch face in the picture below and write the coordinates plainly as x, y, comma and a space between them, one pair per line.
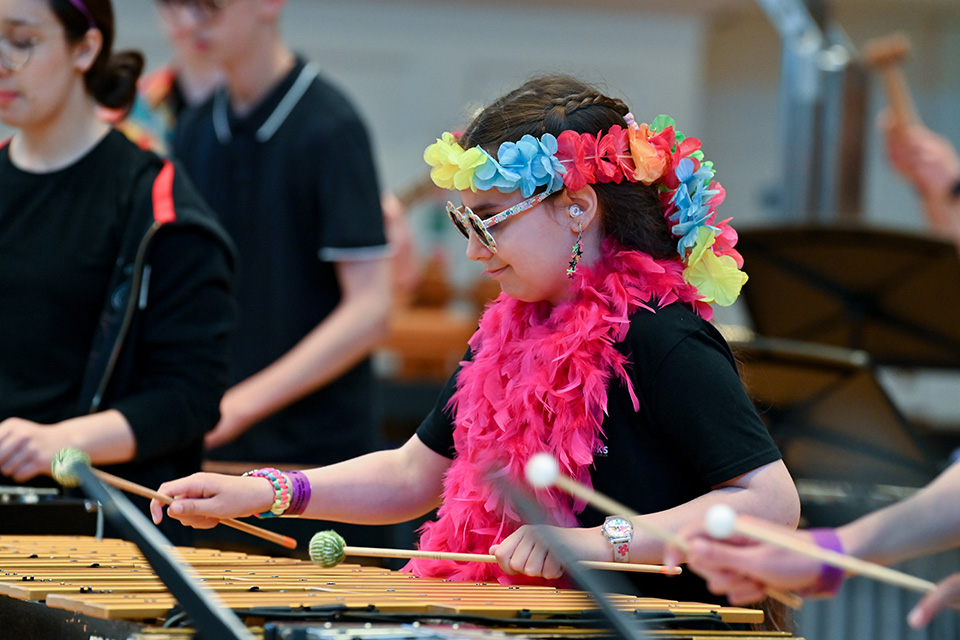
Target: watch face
618, 528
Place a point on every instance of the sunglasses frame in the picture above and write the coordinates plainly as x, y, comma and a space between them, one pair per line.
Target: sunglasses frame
463, 216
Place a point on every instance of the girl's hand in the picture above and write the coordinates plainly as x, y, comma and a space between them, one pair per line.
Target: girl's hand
742, 568
525, 551
947, 594
202, 500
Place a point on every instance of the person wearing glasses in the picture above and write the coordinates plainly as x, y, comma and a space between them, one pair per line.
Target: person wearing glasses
115, 279
604, 237
185, 81
284, 159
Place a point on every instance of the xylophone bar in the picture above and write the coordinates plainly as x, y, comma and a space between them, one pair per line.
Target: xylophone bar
109, 580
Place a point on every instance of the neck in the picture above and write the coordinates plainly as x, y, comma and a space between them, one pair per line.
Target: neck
197, 81
265, 63
61, 139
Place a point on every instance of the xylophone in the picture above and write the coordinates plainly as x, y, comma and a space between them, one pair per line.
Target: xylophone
105, 589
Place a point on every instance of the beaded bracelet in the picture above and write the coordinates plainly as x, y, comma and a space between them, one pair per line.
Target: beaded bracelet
281, 485
831, 578
301, 493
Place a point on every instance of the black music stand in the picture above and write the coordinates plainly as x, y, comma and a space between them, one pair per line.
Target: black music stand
890, 293
212, 619
831, 418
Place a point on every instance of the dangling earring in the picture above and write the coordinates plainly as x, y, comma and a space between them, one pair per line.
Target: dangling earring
577, 252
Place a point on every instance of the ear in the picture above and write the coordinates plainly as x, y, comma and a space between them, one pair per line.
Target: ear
86, 51
581, 207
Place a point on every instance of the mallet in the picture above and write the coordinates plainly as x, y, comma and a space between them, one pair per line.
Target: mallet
65, 459
722, 522
328, 549
542, 471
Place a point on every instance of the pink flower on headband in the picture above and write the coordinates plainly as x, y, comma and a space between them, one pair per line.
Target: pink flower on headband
726, 240
613, 158
573, 149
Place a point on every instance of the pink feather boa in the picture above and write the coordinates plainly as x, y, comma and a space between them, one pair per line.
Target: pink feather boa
538, 382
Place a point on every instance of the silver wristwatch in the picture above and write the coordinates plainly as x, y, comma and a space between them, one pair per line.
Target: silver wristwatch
618, 532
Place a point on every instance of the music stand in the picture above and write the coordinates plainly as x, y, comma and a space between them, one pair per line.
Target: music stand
831, 418
212, 619
889, 293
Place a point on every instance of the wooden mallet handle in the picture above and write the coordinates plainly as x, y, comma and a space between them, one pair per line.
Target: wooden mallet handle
611, 507
885, 55
373, 552
833, 558
144, 492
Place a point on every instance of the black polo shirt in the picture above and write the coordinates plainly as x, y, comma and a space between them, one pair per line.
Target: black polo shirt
294, 184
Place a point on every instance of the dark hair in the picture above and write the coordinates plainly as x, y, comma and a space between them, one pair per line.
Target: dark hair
630, 212
112, 78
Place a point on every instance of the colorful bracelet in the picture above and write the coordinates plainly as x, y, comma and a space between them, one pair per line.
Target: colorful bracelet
831, 578
301, 493
281, 485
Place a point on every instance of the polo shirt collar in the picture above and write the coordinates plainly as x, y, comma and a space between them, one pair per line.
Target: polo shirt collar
268, 116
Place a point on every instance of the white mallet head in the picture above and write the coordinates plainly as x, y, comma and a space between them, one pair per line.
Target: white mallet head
721, 521
542, 470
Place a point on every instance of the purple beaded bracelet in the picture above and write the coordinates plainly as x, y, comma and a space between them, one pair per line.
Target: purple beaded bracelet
301, 493
831, 577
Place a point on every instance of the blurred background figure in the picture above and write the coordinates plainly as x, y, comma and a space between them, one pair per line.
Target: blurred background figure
186, 80
116, 279
284, 159
929, 163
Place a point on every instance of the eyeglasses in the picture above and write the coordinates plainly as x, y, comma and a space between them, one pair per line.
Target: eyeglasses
202, 10
15, 54
462, 216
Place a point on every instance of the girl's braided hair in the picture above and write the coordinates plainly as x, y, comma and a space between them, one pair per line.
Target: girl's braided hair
630, 212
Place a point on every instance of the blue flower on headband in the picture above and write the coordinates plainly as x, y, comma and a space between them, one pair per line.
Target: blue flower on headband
692, 179
692, 208
525, 165
490, 174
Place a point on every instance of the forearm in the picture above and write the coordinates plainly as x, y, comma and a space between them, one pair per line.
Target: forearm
382, 487
891, 535
105, 436
942, 210
338, 343
767, 492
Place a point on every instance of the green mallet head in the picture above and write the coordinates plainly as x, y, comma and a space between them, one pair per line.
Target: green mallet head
326, 548
62, 466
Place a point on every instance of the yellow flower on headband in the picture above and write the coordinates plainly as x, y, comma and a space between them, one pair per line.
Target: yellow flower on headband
453, 167
717, 278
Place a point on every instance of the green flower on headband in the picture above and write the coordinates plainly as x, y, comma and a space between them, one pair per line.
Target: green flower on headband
453, 168
716, 278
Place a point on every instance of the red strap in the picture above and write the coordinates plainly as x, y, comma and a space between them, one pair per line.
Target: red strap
5, 143
163, 209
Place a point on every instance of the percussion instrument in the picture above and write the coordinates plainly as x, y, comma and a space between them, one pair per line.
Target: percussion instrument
105, 588
45, 510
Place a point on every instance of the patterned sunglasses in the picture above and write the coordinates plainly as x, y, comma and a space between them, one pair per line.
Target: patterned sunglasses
464, 219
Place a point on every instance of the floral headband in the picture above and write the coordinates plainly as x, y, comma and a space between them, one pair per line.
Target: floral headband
656, 154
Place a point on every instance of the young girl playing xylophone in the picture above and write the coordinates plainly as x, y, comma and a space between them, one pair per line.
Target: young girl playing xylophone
603, 235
